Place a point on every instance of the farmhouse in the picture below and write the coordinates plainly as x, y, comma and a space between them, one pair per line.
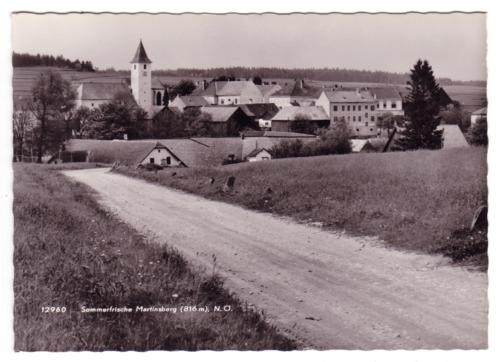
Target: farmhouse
297, 93
261, 113
182, 102
131, 153
356, 107
232, 93
300, 119
228, 121
259, 154
388, 100
478, 114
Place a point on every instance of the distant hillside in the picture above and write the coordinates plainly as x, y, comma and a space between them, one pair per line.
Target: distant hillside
29, 60
320, 74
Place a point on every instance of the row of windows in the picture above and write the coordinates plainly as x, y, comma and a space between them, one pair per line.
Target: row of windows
335, 119
384, 105
354, 106
145, 66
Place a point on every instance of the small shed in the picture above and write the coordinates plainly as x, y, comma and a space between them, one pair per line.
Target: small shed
259, 154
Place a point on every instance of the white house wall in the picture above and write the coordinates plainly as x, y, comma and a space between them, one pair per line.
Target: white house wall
160, 157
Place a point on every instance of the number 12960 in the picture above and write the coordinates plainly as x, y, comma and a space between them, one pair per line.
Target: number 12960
53, 309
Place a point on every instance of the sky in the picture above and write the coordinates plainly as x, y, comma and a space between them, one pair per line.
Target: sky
454, 44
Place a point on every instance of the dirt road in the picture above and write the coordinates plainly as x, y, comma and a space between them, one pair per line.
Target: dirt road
328, 290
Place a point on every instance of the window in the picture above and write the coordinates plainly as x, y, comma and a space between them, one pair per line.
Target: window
91, 104
158, 98
348, 108
372, 108
359, 118
366, 124
372, 118
371, 129
135, 66
366, 115
366, 106
145, 66
357, 129
393, 105
359, 107
159, 150
335, 108
152, 160
236, 101
222, 101
335, 119
169, 161
378, 105
384, 105
343, 108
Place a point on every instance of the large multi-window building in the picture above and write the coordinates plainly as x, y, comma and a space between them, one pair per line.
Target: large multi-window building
356, 107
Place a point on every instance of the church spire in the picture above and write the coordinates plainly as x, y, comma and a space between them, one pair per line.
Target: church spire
140, 55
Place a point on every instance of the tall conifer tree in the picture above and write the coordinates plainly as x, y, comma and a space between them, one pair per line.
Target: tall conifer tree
422, 106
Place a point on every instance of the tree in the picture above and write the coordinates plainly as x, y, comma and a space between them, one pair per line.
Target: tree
478, 133
165, 99
302, 124
422, 108
454, 114
197, 123
167, 124
257, 80
122, 116
386, 121
183, 88
22, 129
52, 99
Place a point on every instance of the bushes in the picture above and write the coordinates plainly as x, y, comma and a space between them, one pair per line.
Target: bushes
329, 142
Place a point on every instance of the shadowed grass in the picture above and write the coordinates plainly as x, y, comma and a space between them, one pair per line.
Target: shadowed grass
411, 200
69, 252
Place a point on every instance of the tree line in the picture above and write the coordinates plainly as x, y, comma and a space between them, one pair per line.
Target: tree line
320, 74
29, 60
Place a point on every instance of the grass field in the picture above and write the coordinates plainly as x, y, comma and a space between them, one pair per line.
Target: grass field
70, 253
421, 201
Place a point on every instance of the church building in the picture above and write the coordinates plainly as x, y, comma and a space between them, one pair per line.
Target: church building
147, 91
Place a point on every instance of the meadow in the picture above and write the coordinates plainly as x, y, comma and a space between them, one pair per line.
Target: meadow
422, 201
70, 253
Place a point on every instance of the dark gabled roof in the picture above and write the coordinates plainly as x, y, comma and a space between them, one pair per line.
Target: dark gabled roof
390, 93
220, 114
298, 89
260, 110
140, 55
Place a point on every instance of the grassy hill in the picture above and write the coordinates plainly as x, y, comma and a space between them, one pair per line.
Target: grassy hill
422, 201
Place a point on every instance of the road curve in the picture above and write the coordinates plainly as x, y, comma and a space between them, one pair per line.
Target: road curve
327, 290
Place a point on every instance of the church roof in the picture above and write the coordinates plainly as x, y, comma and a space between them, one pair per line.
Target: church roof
140, 55
100, 91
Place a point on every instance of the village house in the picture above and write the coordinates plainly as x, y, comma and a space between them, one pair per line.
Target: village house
228, 121
261, 113
300, 119
356, 107
388, 100
478, 114
182, 102
230, 93
296, 93
259, 154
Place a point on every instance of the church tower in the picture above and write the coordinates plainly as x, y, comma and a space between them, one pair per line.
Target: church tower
140, 78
